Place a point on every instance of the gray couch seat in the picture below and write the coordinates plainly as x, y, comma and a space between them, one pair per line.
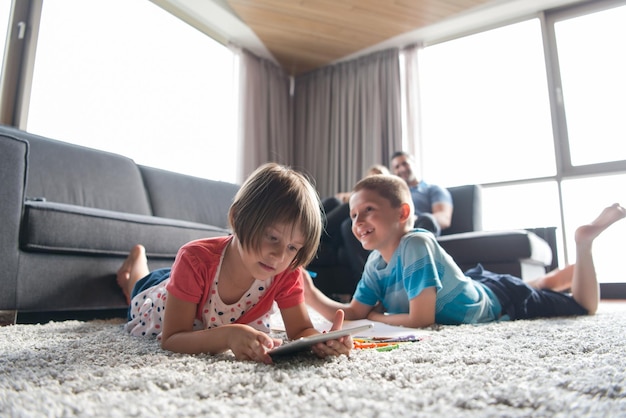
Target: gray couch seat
61, 228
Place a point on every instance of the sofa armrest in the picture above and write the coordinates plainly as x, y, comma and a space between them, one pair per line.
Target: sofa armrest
13, 166
548, 234
497, 247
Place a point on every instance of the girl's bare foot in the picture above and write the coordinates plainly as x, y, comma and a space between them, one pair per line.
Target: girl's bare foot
585, 234
132, 270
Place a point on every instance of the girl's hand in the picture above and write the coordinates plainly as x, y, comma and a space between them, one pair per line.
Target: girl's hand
336, 347
249, 344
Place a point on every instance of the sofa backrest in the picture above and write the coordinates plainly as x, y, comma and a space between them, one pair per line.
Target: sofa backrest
179, 196
467, 214
67, 173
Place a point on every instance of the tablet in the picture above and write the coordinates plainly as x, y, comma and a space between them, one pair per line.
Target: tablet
304, 343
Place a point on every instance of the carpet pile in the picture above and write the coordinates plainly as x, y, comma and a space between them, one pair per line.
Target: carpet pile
563, 367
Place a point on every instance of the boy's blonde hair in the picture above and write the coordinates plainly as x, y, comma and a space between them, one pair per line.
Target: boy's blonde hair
277, 194
389, 187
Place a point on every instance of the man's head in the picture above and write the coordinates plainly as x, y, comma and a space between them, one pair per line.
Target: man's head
402, 165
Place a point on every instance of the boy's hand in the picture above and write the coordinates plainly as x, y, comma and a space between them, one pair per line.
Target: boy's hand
249, 344
336, 347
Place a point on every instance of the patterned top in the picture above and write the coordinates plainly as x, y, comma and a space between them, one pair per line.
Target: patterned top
194, 278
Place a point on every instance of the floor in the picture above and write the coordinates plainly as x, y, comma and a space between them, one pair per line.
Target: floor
612, 305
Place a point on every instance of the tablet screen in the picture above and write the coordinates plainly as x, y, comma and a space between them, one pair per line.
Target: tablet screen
306, 342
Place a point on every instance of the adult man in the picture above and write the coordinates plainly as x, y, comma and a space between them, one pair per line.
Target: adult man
433, 204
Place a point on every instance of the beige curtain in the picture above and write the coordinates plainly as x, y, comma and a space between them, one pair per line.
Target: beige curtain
411, 102
265, 116
347, 117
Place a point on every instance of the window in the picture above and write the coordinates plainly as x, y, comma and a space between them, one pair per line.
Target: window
486, 118
128, 77
589, 196
593, 83
485, 108
531, 205
5, 12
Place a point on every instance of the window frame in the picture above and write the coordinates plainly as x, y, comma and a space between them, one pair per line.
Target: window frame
564, 168
562, 148
19, 62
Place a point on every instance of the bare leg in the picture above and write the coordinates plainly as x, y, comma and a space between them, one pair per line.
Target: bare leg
132, 270
558, 280
585, 289
581, 277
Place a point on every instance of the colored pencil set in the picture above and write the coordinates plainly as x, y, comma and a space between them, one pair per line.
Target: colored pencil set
383, 344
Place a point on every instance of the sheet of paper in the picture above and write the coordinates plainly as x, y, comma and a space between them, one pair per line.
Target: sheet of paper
379, 330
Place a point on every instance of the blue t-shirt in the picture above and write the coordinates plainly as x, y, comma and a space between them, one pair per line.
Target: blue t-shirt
425, 195
420, 262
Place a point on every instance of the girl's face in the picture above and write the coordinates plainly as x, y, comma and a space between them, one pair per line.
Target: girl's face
279, 245
375, 223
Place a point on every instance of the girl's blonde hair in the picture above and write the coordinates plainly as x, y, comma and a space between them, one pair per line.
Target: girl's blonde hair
277, 194
377, 169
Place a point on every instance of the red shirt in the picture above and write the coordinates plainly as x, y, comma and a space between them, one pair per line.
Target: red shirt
194, 271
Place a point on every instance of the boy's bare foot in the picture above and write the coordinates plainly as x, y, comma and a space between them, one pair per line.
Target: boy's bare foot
132, 270
585, 234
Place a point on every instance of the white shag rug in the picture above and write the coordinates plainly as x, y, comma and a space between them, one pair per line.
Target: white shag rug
564, 367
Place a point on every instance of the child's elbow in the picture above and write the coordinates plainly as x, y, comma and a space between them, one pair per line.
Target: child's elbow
421, 322
424, 324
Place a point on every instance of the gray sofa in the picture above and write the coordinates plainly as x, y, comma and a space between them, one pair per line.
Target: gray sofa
70, 215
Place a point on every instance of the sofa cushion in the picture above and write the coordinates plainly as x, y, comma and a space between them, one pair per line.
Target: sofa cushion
178, 196
13, 163
496, 246
467, 214
66, 173
61, 228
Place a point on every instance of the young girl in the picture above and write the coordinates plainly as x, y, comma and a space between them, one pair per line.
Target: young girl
410, 280
219, 293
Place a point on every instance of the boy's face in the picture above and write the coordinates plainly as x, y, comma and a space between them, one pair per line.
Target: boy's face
375, 223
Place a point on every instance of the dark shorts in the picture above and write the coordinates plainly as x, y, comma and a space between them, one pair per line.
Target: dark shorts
152, 279
520, 301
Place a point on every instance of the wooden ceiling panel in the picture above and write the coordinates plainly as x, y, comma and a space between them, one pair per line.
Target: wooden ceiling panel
307, 34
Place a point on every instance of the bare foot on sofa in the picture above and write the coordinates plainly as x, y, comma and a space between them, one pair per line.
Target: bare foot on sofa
132, 270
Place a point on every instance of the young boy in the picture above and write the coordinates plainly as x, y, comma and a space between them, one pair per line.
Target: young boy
409, 280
